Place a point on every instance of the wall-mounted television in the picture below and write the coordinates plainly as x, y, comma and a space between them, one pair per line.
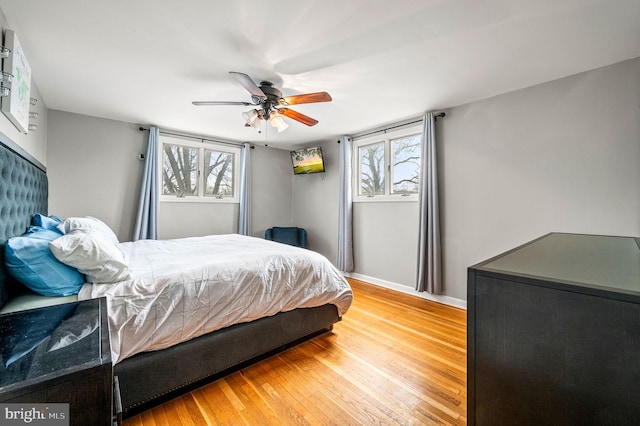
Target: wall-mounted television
307, 160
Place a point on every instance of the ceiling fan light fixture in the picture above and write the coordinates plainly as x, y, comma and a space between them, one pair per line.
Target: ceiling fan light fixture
252, 118
267, 99
276, 121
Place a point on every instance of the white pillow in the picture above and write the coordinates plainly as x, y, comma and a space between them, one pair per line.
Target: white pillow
93, 254
86, 223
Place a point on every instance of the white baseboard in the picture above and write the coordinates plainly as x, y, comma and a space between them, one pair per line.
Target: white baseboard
446, 300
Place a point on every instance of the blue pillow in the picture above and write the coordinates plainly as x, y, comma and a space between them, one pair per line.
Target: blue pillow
30, 261
47, 222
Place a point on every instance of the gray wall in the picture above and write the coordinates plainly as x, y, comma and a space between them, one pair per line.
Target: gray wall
270, 195
384, 233
561, 156
385, 241
271, 187
33, 142
94, 170
315, 202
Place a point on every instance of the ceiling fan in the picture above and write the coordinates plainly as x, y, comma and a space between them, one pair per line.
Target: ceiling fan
270, 105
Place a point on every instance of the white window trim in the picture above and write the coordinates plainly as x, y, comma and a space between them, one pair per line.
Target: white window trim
204, 144
385, 137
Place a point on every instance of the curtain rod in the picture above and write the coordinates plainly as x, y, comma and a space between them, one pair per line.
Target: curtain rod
386, 129
198, 138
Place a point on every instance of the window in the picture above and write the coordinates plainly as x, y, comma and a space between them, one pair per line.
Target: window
405, 172
218, 173
388, 166
371, 159
198, 171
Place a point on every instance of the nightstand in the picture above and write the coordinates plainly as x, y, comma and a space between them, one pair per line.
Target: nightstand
59, 354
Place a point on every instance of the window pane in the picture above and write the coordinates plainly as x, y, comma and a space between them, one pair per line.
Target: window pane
406, 164
371, 159
218, 173
179, 170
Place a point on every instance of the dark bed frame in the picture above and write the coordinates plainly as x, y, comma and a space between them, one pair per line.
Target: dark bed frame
150, 378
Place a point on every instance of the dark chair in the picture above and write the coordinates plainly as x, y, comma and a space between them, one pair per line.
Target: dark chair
288, 235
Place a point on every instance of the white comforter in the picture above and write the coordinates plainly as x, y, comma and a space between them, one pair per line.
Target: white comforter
181, 289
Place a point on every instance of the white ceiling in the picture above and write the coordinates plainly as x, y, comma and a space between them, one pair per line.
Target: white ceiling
144, 61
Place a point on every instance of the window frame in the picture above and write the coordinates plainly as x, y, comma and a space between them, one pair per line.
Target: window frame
386, 138
202, 145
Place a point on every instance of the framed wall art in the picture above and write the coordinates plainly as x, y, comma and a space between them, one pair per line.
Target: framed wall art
16, 104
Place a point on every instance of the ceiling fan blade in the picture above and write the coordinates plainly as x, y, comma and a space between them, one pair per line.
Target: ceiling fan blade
206, 103
250, 85
304, 119
305, 99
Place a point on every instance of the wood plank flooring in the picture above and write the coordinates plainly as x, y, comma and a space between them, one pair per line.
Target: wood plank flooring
394, 359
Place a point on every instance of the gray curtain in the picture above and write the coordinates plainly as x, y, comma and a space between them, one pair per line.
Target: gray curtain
429, 251
244, 219
146, 227
345, 209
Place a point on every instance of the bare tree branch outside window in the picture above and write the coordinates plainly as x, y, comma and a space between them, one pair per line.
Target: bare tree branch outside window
179, 170
372, 169
218, 173
390, 167
202, 171
406, 164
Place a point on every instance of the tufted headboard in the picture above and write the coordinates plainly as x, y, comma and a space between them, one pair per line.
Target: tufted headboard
24, 191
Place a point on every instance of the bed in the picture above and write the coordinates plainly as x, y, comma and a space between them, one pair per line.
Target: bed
159, 358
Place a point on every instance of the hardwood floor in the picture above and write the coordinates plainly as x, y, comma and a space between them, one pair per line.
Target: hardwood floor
393, 359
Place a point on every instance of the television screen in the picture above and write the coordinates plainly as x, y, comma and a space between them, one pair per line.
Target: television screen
307, 160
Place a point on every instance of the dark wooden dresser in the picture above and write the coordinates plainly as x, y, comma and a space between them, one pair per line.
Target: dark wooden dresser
554, 333
59, 355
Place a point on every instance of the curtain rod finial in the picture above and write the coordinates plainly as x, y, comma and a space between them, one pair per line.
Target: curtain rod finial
439, 115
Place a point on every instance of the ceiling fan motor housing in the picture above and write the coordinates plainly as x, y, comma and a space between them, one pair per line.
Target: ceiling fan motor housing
273, 95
